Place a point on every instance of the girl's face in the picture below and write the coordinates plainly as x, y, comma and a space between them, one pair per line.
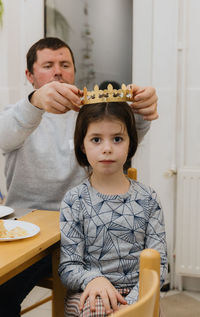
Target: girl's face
106, 146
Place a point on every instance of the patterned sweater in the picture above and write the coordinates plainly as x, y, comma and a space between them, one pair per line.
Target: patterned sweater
103, 235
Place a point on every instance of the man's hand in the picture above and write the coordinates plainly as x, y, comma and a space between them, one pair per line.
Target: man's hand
56, 97
108, 293
144, 102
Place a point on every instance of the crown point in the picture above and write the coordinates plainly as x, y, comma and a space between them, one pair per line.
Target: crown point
107, 95
85, 94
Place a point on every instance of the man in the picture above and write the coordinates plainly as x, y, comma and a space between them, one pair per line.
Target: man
36, 136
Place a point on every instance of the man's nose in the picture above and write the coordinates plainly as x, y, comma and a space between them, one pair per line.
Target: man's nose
57, 69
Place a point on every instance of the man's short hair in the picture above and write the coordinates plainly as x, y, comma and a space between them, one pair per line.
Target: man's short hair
52, 43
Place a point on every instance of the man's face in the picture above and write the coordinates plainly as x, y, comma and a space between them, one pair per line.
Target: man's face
52, 65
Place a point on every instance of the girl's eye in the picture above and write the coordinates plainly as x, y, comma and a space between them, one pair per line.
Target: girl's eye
118, 139
96, 140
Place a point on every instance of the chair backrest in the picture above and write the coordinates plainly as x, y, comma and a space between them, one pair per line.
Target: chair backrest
149, 288
132, 173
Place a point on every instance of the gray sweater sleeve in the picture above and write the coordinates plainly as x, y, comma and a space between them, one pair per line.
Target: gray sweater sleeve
17, 122
142, 126
72, 269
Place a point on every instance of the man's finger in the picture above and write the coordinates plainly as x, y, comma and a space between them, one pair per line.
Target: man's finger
146, 94
144, 103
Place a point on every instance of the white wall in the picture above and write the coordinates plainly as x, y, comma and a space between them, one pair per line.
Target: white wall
155, 63
110, 24
23, 24
188, 149
167, 57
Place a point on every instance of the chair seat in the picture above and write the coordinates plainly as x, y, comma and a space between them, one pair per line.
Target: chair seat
52, 282
46, 282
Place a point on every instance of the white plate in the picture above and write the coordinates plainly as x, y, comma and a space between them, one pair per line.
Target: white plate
4, 211
31, 229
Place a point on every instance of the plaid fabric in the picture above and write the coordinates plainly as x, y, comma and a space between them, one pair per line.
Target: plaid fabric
72, 305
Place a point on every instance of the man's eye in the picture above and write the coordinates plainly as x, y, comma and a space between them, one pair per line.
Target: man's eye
96, 140
118, 139
65, 65
47, 66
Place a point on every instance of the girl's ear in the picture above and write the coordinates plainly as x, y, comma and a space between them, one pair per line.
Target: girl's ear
83, 148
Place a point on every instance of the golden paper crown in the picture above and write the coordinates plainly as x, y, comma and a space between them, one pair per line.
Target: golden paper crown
106, 95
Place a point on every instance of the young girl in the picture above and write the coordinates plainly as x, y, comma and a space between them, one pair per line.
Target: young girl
108, 219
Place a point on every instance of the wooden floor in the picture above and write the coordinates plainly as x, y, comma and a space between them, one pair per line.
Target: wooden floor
38, 293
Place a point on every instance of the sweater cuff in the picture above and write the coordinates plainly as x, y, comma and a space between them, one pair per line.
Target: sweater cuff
27, 114
89, 277
30, 95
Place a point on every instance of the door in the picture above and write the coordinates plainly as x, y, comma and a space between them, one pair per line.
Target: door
169, 158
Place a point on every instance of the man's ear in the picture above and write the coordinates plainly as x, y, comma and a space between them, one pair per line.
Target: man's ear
29, 76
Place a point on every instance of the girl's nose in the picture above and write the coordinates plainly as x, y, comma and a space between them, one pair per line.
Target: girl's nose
107, 148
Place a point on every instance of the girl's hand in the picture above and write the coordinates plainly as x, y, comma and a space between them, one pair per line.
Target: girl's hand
108, 293
122, 306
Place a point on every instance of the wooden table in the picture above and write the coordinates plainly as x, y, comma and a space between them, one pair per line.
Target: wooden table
16, 256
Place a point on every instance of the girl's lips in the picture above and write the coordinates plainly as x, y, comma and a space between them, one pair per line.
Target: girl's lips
106, 161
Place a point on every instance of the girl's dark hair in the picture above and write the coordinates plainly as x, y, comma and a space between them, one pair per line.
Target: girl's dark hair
97, 112
52, 43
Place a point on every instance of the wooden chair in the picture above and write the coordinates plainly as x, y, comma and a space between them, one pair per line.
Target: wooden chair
149, 288
47, 281
132, 173
58, 290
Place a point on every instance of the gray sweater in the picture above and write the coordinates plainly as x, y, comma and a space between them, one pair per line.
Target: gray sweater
39, 153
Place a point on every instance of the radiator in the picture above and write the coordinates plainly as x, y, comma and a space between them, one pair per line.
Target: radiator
188, 222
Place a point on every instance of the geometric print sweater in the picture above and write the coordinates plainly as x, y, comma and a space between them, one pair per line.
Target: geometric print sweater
103, 235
